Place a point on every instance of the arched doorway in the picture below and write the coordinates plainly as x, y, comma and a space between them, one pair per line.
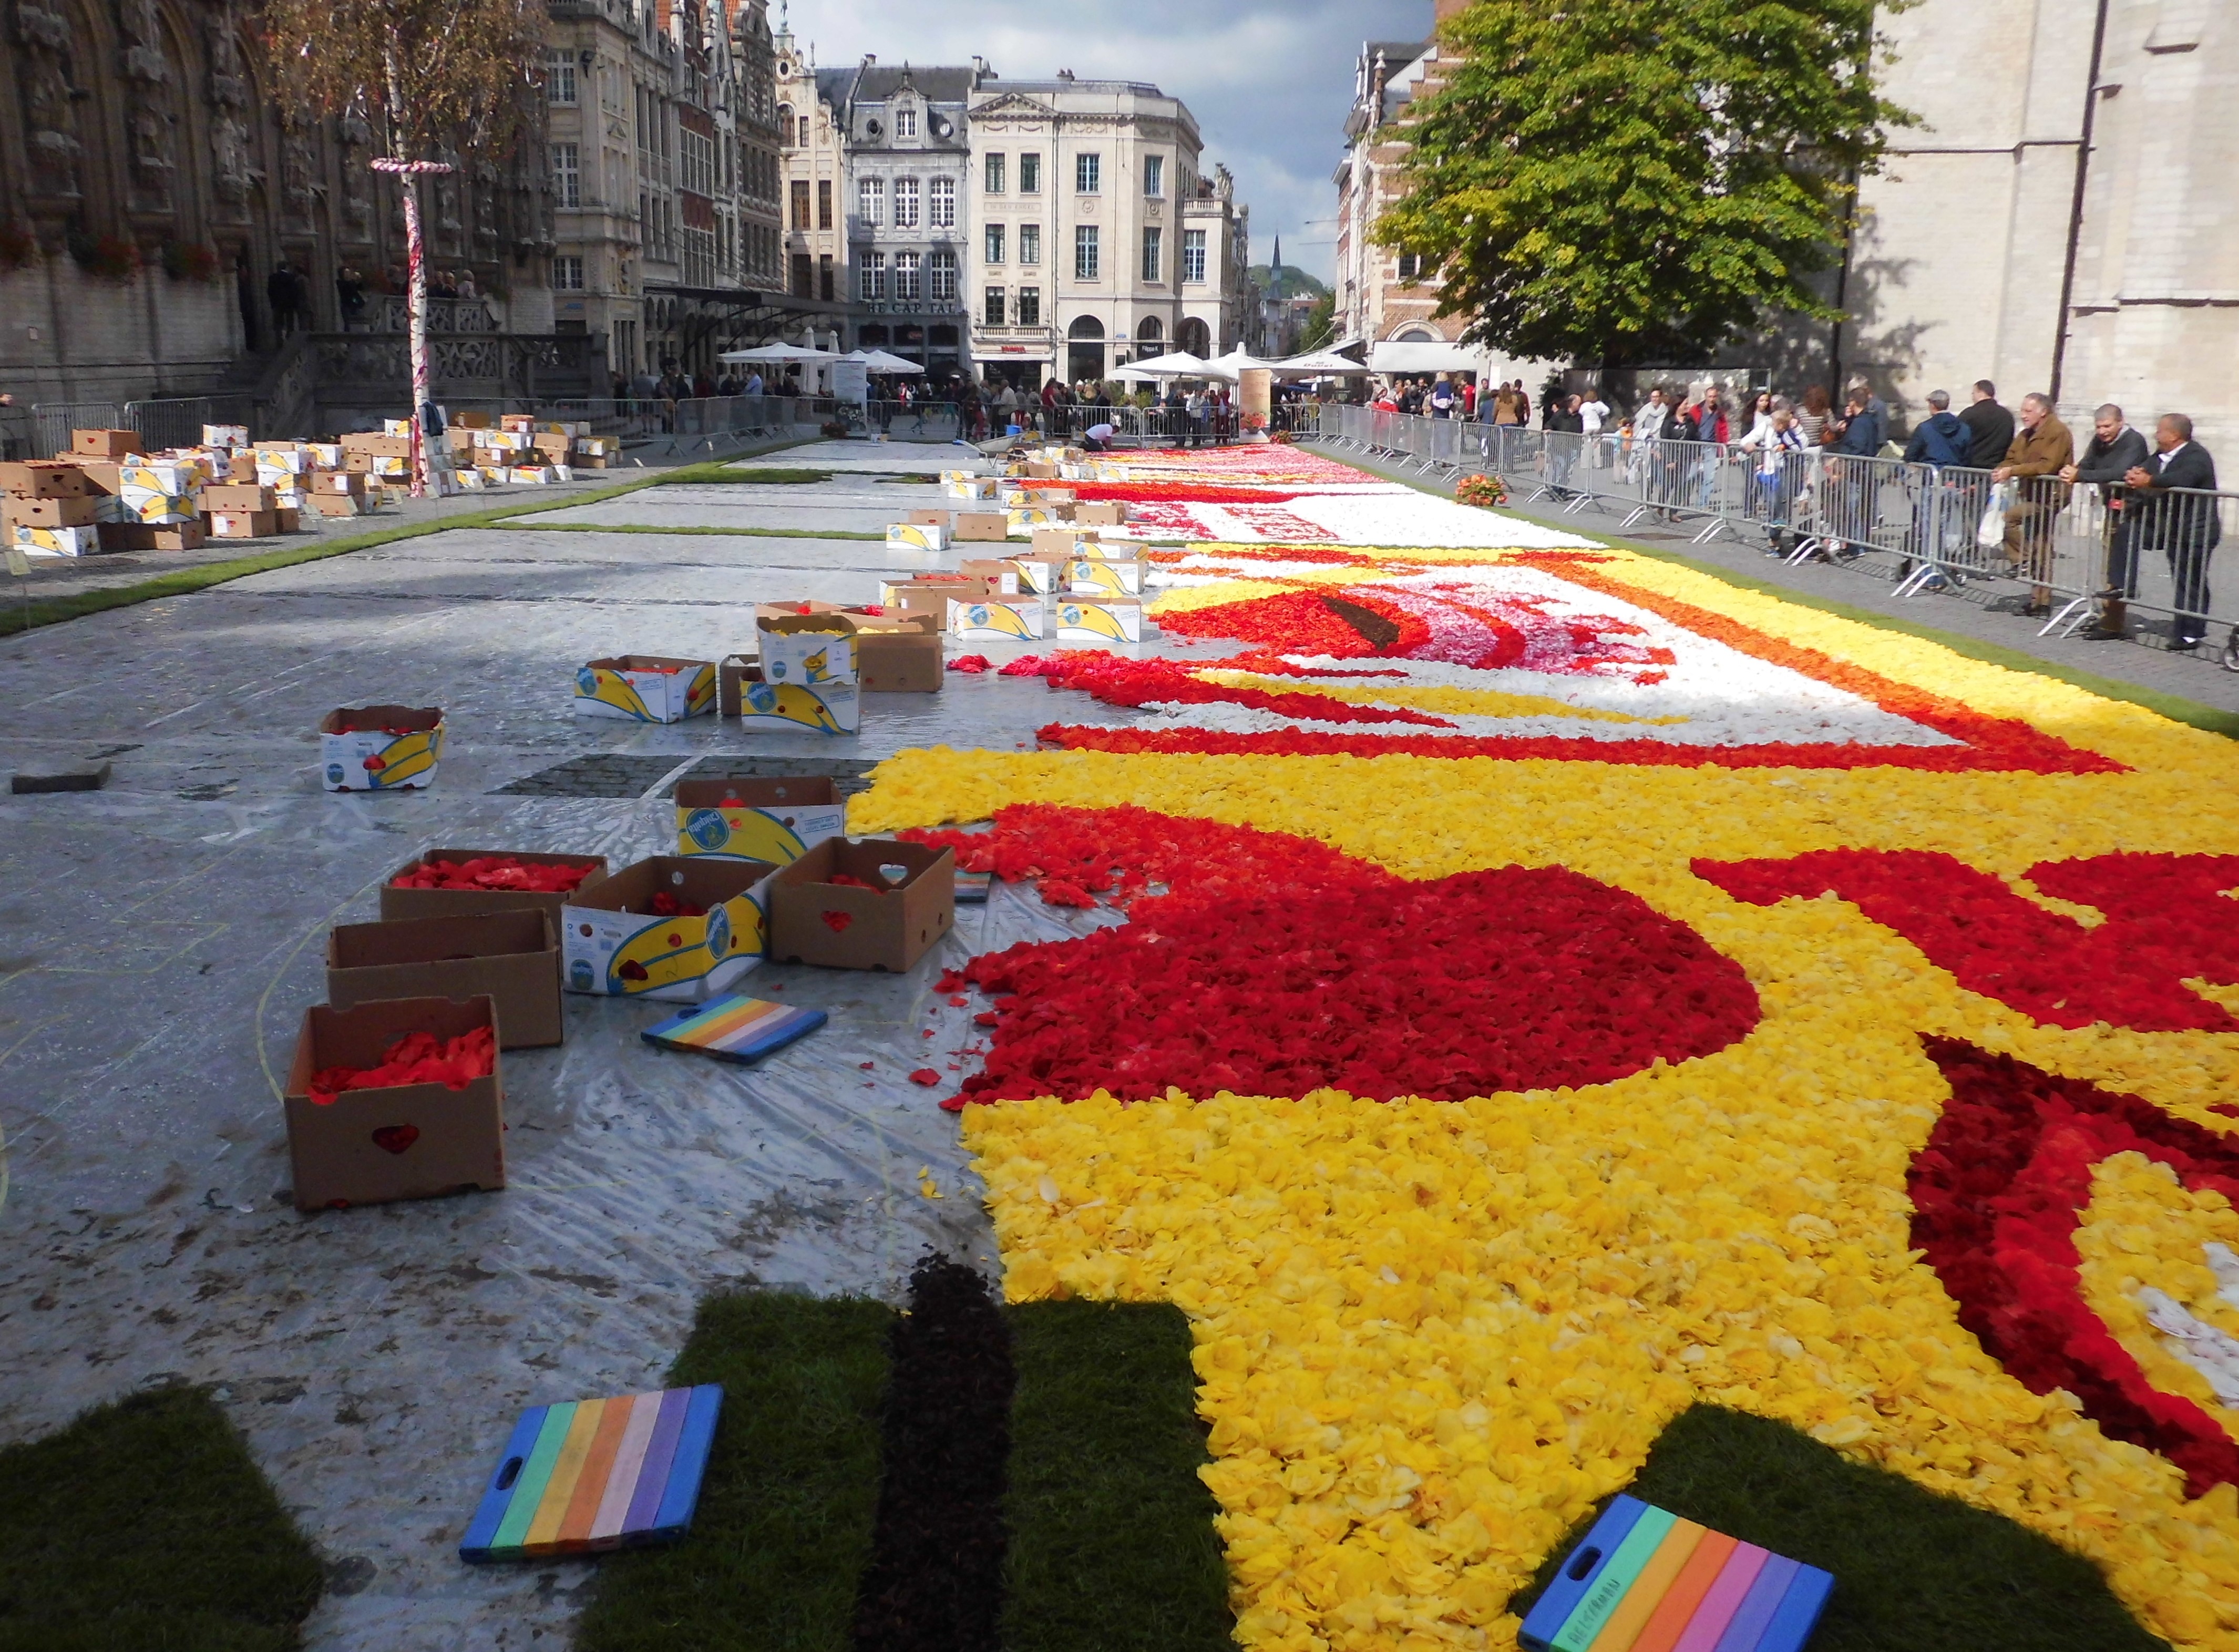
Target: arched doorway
1148, 335
1084, 349
1194, 336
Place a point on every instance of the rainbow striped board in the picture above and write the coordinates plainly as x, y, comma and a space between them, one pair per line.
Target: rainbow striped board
586, 1475
971, 887
1646, 1581
734, 1029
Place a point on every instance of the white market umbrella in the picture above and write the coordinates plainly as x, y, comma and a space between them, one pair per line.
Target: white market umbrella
1321, 364
1134, 375
1236, 363
1176, 364
881, 362
779, 353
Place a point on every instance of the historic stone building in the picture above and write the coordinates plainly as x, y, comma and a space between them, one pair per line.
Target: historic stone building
2062, 219
1100, 239
811, 135
150, 193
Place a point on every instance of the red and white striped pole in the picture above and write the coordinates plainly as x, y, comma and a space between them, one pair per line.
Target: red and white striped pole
415, 305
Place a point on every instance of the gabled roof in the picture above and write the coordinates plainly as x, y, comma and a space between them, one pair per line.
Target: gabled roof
936, 84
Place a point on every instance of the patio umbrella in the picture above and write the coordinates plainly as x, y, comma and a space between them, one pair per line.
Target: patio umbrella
779, 353
881, 362
1236, 363
1176, 364
1320, 364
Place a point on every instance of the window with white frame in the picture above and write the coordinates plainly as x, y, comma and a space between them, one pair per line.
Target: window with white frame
697, 151
560, 78
1153, 254
1087, 173
870, 274
994, 174
1030, 307
870, 199
1087, 252
994, 238
567, 175
1154, 176
905, 282
904, 204
568, 274
940, 203
1192, 255
1030, 243
940, 275
905, 122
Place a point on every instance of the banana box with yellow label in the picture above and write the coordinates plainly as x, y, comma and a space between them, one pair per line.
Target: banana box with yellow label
1095, 576
957, 485
762, 707
996, 619
380, 748
916, 536
776, 820
1113, 548
533, 476
672, 928
55, 541
815, 650
1021, 522
1096, 620
646, 688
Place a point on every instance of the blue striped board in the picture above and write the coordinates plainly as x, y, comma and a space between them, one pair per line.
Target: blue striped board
733, 1028
971, 887
589, 1475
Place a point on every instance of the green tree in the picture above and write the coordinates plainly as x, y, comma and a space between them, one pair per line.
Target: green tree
1639, 179
1320, 325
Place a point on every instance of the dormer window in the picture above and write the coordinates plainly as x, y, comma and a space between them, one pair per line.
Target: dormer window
905, 122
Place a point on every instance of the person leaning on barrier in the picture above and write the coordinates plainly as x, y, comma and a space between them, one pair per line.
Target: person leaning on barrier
2041, 448
1989, 426
1940, 443
2183, 524
2114, 451
1773, 476
1858, 438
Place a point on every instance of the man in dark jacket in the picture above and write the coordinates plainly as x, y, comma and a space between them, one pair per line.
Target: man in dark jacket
1857, 503
1940, 439
2184, 524
2114, 451
1989, 426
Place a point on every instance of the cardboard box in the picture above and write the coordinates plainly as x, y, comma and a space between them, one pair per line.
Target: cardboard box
558, 445
411, 1142
45, 478
325, 482
1101, 513
792, 708
1099, 621
397, 428
82, 512
106, 444
1099, 576
888, 927
242, 524
236, 495
225, 435
59, 541
512, 958
1065, 544
614, 944
981, 524
916, 536
470, 421
398, 903
995, 619
516, 422
646, 688
533, 476
288, 519
380, 748
381, 446
932, 518
390, 465
1022, 522
144, 536
339, 504
899, 655
1002, 575
815, 650
772, 821
892, 593
1114, 549
973, 487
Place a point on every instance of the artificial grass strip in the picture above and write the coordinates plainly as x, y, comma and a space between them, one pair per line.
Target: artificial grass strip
1112, 1541
784, 1524
1912, 1569
643, 527
145, 1526
935, 1581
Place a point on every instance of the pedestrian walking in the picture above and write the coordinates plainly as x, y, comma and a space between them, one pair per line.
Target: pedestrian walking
2114, 451
2182, 524
1503, 406
2041, 448
1593, 413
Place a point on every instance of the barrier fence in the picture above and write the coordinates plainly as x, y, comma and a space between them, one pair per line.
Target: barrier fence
2072, 555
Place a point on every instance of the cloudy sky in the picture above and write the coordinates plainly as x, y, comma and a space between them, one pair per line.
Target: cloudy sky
1268, 80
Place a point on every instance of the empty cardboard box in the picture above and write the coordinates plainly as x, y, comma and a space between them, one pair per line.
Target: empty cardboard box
405, 901
380, 748
616, 943
409, 1141
899, 655
982, 525
512, 958
887, 926
772, 820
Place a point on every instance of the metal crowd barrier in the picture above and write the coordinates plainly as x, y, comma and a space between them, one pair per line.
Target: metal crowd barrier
2054, 551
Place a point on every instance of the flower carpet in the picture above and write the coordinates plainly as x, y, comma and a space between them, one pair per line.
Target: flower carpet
1548, 987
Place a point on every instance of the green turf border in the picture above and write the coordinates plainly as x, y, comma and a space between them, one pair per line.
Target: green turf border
46, 610
146, 1526
2175, 707
646, 528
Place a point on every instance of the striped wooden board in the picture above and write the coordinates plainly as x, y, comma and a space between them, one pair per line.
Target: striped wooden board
1645, 1580
591, 1475
731, 1028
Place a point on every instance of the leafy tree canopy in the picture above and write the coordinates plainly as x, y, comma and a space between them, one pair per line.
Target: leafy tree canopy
1638, 179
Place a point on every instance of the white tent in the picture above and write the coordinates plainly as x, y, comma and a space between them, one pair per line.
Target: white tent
1236, 363
1176, 364
1134, 375
1320, 364
881, 362
768, 353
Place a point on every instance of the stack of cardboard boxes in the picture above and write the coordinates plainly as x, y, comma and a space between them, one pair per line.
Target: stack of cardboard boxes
515, 448
1080, 581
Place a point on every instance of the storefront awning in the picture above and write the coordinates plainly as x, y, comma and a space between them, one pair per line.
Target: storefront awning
1411, 356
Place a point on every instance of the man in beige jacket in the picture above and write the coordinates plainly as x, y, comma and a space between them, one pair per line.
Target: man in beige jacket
2040, 450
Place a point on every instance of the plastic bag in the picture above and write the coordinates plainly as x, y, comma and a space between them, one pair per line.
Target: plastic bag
1990, 532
